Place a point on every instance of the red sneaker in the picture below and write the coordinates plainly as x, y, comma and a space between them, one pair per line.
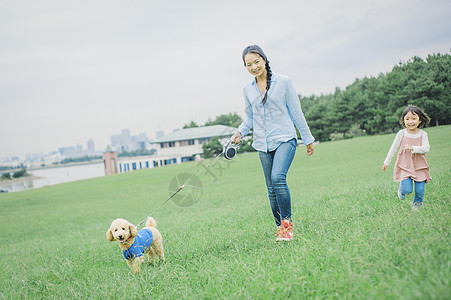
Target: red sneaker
280, 233
285, 231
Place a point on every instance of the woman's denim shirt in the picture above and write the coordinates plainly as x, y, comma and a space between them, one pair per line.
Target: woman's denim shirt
273, 122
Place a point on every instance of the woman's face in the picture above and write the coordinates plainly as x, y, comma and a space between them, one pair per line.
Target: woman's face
255, 64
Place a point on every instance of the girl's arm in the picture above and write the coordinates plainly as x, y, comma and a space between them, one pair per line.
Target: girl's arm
424, 148
294, 108
394, 148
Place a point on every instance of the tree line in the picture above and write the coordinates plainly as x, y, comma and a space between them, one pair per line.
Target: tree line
373, 105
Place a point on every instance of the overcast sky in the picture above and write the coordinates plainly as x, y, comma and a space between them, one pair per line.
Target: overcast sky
71, 71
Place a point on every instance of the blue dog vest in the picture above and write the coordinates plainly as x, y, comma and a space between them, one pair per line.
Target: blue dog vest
141, 243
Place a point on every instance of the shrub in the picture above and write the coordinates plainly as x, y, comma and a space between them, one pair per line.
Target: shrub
20, 173
5, 176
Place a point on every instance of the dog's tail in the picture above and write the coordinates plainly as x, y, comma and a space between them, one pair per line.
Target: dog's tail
150, 222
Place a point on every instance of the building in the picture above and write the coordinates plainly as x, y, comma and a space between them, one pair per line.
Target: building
126, 142
72, 152
91, 148
110, 162
186, 144
78, 151
180, 146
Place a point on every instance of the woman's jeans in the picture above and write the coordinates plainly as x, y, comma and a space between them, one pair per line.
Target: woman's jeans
275, 168
406, 187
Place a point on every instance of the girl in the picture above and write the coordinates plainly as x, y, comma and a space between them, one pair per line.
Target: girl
411, 164
271, 107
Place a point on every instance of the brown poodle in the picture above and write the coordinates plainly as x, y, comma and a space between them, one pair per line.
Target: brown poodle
135, 243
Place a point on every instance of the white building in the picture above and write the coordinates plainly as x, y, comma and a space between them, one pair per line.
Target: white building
178, 147
186, 144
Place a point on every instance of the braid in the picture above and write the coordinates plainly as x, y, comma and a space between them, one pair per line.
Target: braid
268, 81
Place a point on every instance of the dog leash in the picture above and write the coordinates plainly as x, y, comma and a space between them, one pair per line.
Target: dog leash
229, 151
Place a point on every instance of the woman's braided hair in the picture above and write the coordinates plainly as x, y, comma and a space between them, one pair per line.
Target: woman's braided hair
257, 50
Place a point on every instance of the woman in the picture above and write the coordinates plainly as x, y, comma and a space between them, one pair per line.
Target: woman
271, 107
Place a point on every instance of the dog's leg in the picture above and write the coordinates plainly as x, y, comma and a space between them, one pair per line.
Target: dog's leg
137, 264
158, 247
150, 255
130, 263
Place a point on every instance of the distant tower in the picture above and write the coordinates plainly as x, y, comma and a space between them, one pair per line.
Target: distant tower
159, 134
126, 136
78, 151
91, 147
126, 140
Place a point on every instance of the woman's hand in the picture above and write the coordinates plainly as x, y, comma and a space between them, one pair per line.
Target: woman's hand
310, 148
236, 138
384, 167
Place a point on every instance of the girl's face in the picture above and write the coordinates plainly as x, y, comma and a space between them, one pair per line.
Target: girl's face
255, 64
411, 121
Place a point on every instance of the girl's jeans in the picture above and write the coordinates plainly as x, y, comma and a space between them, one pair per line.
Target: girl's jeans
406, 187
275, 168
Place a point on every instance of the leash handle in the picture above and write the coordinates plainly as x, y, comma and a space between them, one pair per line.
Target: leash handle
230, 149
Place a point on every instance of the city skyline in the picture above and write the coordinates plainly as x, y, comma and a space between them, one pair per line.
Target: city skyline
77, 150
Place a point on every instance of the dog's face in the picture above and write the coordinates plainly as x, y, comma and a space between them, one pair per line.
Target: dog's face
121, 230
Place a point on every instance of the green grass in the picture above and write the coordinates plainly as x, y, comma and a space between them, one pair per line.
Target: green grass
353, 238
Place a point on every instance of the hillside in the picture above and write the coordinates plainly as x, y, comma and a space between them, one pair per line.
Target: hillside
354, 238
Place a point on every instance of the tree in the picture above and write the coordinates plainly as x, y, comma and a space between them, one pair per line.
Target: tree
316, 113
5, 176
20, 173
231, 119
439, 106
212, 148
192, 124
342, 113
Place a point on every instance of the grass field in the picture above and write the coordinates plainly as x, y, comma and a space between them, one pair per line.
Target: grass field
354, 239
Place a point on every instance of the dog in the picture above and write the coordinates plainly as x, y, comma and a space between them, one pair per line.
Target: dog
134, 244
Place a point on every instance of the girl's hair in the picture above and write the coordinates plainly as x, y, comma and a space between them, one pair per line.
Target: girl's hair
424, 118
257, 50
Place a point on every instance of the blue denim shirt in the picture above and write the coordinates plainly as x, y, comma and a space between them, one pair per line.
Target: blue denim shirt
273, 122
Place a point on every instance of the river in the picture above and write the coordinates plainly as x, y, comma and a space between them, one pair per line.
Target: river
52, 176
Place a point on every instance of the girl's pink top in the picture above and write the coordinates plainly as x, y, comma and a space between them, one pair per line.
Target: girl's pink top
409, 164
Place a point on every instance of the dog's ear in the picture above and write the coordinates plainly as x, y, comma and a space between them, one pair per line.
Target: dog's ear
133, 230
109, 235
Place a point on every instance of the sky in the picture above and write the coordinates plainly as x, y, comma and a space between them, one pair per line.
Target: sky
71, 71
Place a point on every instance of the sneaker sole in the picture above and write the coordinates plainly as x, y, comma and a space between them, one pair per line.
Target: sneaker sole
283, 239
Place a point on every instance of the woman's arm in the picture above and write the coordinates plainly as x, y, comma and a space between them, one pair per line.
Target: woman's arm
295, 110
247, 123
